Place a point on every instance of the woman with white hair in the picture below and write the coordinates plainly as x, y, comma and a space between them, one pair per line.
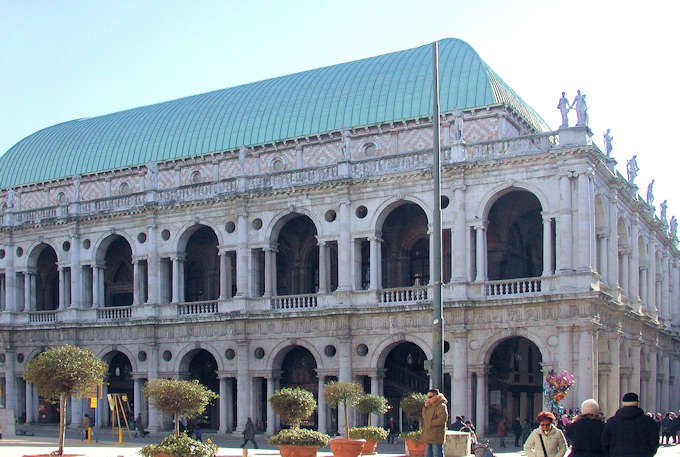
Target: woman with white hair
585, 432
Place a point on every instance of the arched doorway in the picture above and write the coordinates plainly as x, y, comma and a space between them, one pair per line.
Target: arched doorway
404, 373
298, 369
201, 271
202, 366
406, 247
515, 381
47, 279
515, 237
297, 262
119, 380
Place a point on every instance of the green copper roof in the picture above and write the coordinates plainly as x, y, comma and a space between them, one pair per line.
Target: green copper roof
379, 89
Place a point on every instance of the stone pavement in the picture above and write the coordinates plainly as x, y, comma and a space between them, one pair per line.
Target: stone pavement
45, 439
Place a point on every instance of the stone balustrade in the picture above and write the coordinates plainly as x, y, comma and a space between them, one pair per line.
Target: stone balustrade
194, 308
405, 294
373, 166
41, 317
294, 302
114, 313
513, 287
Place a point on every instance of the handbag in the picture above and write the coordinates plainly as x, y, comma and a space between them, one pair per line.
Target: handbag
543, 445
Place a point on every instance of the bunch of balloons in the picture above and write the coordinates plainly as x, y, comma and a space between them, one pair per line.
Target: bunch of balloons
556, 388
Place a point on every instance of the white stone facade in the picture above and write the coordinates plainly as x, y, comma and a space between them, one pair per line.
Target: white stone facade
605, 305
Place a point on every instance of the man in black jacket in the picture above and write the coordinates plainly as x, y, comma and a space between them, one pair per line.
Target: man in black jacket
630, 433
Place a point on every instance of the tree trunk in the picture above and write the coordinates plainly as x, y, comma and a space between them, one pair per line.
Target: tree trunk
344, 408
176, 424
62, 422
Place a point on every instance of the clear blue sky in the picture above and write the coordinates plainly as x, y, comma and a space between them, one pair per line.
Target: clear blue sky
61, 60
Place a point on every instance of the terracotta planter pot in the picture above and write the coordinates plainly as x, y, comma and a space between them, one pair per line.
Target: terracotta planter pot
289, 450
369, 447
415, 448
340, 447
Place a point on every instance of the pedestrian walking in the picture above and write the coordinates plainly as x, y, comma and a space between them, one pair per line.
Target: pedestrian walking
85, 426
517, 430
249, 433
585, 432
502, 431
435, 417
630, 433
546, 440
392, 428
198, 433
139, 425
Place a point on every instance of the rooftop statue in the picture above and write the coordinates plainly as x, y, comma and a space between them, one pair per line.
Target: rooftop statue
242, 154
608, 142
632, 169
674, 228
9, 198
579, 104
458, 126
664, 208
76, 188
346, 144
650, 193
152, 174
563, 106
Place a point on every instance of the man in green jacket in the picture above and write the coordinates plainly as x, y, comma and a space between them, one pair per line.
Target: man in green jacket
435, 418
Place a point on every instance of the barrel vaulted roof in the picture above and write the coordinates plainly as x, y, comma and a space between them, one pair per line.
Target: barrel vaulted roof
385, 88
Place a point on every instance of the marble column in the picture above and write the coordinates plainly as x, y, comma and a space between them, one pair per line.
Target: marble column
614, 386
480, 232
223, 405
30, 410
458, 232
613, 251
344, 373
76, 411
152, 373
10, 382
243, 384
268, 267
585, 223
547, 246
602, 265
374, 419
323, 267
242, 259
155, 288
28, 292
103, 410
76, 274
376, 280
271, 421
136, 282
643, 285
482, 374
675, 387
345, 246
459, 381
651, 403
635, 365
651, 278
176, 279
322, 410
634, 264
625, 273
564, 227
11, 292
137, 395
665, 386
62, 288
225, 268
586, 365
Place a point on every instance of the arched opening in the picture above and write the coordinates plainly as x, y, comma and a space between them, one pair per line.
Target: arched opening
202, 366
600, 236
297, 262
118, 275
515, 381
201, 271
404, 373
298, 369
119, 381
515, 237
406, 247
47, 280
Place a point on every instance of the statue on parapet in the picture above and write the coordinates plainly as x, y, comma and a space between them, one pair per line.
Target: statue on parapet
346, 144
76, 188
458, 126
674, 228
9, 198
608, 143
632, 169
152, 175
579, 104
664, 208
650, 193
563, 106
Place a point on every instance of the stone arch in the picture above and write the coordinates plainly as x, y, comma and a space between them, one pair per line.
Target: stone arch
183, 356
297, 260
386, 345
35, 250
486, 350
183, 235
490, 197
280, 219
279, 352
102, 244
107, 353
601, 220
622, 231
201, 265
386, 207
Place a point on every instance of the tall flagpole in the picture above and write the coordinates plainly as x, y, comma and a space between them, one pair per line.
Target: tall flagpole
437, 312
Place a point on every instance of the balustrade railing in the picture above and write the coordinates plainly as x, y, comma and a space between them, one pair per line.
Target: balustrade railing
195, 308
40, 317
391, 164
521, 145
294, 302
114, 313
509, 287
38, 214
405, 294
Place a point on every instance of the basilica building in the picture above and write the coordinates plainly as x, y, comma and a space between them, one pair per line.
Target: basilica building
279, 233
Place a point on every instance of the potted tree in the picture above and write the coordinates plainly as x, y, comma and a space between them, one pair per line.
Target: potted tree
346, 394
179, 398
413, 405
370, 404
62, 372
293, 405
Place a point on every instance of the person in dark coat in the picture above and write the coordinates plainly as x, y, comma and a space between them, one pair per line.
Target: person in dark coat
249, 433
517, 430
630, 433
456, 426
585, 432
